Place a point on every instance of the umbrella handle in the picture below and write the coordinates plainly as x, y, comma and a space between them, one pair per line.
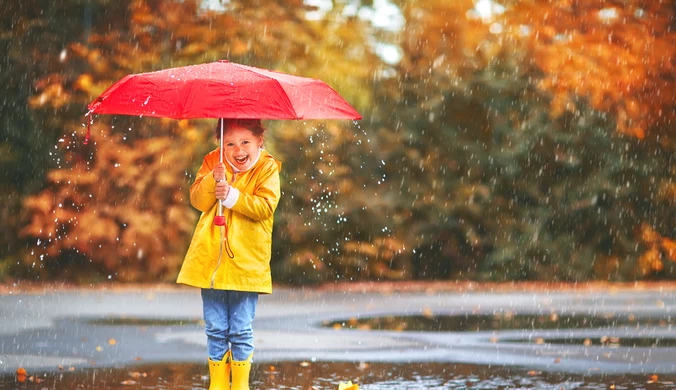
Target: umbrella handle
219, 219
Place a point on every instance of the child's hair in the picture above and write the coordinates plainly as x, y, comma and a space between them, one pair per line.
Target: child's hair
254, 125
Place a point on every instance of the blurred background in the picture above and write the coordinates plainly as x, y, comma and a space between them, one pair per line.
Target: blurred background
501, 140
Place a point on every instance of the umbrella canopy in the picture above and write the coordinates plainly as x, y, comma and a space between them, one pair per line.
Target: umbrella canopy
222, 90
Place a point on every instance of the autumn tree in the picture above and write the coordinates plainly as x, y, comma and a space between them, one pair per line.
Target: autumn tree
525, 149
33, 36
118, 205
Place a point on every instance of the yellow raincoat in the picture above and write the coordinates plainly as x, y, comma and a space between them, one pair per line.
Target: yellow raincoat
249, 228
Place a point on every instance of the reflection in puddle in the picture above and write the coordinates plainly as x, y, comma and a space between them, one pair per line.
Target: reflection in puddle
306, 375
501, 321
605, 341
136, 321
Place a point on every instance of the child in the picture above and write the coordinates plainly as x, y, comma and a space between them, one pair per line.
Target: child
231, 263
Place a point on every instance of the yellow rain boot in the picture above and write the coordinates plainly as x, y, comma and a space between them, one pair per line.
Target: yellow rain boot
219, 373
240, 374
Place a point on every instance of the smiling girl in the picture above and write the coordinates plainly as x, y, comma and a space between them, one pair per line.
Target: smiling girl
231, 263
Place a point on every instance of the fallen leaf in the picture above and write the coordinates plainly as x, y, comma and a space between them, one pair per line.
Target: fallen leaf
99, 348
35, 379
348, 386
128, 382
21, 375
427, 313
112, 342
557, 360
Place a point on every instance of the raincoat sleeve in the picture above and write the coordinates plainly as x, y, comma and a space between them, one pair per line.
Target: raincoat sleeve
203, 190
262, 203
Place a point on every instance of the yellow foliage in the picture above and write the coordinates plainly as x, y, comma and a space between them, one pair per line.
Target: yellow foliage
84, 83
602, 53
649, 235
659, 249
651, 261
669, 247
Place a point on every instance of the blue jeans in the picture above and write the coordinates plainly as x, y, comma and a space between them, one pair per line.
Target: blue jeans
228, 316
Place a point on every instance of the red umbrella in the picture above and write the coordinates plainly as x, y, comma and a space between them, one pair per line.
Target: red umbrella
221, 90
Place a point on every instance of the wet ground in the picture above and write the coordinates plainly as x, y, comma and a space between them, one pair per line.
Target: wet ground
322, 375
153, 338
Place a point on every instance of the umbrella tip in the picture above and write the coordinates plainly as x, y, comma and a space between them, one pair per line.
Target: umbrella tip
89, 132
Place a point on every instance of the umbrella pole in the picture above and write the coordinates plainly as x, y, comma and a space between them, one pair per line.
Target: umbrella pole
220, 156
219, 219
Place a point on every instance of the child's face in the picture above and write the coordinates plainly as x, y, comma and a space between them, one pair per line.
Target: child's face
240, 147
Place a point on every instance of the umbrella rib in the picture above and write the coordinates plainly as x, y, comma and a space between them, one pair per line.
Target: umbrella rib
185, 100
284, 95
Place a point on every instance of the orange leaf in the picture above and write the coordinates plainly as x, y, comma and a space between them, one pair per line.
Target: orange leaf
669, 246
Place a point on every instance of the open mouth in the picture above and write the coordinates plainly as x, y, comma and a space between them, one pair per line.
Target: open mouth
241, 160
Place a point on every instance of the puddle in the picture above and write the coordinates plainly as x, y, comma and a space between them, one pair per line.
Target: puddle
320, 376
506, 321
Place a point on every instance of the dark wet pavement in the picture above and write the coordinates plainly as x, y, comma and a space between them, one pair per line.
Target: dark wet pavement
98, 330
